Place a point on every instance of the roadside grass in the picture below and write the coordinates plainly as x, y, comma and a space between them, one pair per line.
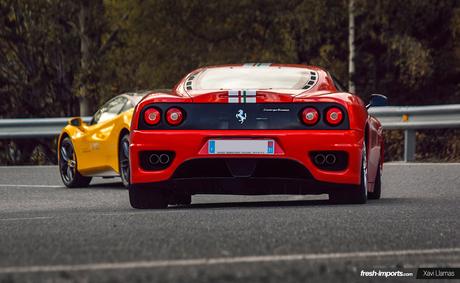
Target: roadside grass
440, 145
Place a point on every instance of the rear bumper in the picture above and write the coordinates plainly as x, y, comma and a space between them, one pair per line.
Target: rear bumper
296, 145
244, 186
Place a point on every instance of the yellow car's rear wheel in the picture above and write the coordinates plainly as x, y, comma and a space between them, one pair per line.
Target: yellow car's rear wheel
68, 166
123, 159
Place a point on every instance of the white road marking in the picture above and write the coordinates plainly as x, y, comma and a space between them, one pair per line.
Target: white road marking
26, 218
401, 163
424, 265
214, 261
31, 186
28, 166
84, 215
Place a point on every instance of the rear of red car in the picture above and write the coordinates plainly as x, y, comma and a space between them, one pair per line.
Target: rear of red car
246, 130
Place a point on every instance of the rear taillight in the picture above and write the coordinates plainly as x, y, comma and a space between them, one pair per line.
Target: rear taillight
174, 116
152, 116
310, 116
334, 116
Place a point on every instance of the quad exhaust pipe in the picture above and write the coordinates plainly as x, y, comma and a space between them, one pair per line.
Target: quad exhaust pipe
164, 158
330, 159
156, 159
325, 159
320, 159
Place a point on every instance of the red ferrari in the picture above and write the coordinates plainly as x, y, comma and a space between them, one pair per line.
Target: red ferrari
255, 129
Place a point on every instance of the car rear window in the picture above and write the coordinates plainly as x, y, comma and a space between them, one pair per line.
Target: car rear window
253, 78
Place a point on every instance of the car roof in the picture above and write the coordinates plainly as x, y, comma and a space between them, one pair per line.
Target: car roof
256, 65
253, 76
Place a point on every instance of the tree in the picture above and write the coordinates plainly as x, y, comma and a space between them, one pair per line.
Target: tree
37, 58
407, 52
64, 57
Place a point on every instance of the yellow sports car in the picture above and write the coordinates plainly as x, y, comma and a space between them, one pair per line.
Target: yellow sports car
100, 148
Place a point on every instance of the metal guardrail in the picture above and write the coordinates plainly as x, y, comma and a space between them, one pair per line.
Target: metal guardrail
33, 127
407, 118
418, 117
412, 118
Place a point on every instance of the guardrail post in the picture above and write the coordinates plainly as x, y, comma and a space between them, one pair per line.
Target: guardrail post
409, 145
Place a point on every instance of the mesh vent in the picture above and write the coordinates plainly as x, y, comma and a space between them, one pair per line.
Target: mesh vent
312, 81
188, 83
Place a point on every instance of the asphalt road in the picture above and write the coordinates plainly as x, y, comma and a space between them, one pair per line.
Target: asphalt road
52, 234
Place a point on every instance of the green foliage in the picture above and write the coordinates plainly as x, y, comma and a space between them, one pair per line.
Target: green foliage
36, 59
56, 54
438, 145
407, 50
50, 59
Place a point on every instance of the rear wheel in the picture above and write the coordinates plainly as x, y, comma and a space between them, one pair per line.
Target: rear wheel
354, 194
123, 159
377, 186
145, 198
68, 166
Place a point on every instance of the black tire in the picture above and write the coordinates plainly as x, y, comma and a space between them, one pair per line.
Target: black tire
68, 166
354, 194
123, 159
181, 200
377, 186
142, 197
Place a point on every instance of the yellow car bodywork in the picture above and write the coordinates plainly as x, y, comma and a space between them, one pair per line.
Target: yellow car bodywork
96, 146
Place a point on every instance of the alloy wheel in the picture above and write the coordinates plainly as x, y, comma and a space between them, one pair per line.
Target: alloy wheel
67, 162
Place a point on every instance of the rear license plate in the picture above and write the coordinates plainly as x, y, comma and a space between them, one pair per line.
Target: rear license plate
241, 147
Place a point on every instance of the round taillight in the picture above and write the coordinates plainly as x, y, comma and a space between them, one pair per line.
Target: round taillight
334, 116
174, 116
152, 116
310, 116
